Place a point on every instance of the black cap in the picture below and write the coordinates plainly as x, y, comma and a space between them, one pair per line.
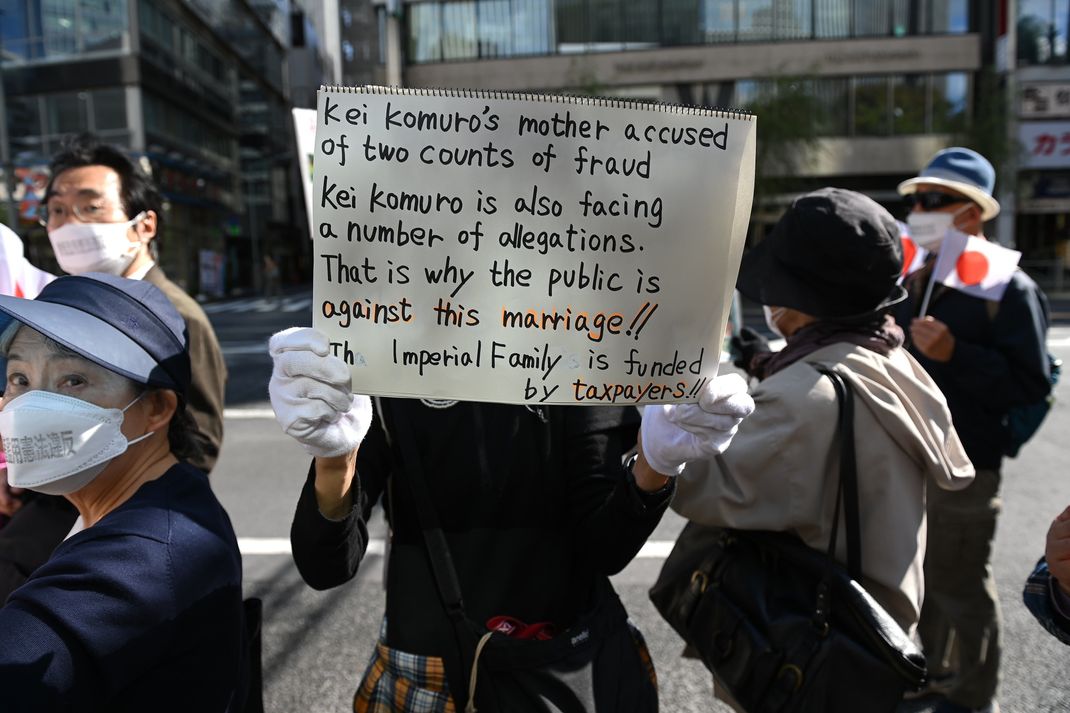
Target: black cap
835, 254
126, 326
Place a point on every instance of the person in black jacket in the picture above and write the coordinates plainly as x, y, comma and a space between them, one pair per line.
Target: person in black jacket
103, 213
987, 358
537, 508
140, 607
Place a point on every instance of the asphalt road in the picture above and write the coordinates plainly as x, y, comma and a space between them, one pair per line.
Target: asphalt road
316, 644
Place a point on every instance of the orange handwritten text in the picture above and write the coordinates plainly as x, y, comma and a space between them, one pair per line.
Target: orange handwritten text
597, 324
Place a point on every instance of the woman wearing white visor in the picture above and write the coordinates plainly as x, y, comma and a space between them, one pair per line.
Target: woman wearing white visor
140, 607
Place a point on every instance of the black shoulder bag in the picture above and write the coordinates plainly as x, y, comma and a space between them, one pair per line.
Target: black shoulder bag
782, 626
592, 667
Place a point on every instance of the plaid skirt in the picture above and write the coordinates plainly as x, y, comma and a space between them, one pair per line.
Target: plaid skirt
399, 681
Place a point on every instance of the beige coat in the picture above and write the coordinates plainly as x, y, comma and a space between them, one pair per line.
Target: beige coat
209, 371
780, 472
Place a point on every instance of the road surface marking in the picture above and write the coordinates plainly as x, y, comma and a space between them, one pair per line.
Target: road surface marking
653, 549
248, 413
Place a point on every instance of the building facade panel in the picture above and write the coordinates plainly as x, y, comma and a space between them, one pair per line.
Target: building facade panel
707, 64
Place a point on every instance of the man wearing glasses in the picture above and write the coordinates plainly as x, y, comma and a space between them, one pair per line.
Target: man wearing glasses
102, 214
987, 357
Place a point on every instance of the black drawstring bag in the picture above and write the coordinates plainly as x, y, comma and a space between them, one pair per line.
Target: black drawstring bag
782, 626
594, 666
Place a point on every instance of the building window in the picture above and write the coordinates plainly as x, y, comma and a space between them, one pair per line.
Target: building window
719, 21
755, 19
832, 18
947, 17
678, 23
66, 113
41, 29
639, 21
109, 109
533, 27
424, 30
24, 126
495, 33
794, 20
1042, 31
872, 18
905, 19
910, 96
156, 25
831, 99
604, 18
463, 29
459, 30
902, 105
950, 101
871, 113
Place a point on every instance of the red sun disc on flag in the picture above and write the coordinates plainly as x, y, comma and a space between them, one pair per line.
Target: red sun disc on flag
972, 267
910, 251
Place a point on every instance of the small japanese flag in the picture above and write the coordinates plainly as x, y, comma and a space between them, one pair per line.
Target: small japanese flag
18, 278
913, 254
977, 267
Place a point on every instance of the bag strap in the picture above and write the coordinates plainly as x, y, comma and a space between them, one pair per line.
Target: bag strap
438, 551
847, 487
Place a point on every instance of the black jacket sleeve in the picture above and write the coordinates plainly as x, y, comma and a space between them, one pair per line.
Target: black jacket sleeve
611, 516
1014, 369
328, 552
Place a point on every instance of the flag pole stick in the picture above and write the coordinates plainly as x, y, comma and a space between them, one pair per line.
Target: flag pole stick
928, 295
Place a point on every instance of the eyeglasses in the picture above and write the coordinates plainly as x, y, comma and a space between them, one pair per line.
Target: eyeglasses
932, 200
85, 210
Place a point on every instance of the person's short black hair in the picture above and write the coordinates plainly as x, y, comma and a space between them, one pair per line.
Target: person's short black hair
136, 190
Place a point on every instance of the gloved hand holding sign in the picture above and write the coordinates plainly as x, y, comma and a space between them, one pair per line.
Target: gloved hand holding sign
673, 435
310, 393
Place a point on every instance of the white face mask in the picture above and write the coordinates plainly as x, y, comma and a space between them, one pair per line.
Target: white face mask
928, 229
771, 316
57, 444
95, 247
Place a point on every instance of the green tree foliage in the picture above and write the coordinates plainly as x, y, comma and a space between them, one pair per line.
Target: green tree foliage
790, 120
987, 130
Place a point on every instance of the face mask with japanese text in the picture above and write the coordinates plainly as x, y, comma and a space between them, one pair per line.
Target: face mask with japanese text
57, 444
94, 247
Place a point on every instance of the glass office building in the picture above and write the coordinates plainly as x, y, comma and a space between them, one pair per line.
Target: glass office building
889, 82
195, 90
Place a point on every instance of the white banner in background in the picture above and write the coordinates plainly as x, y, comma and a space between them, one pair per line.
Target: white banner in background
305, 131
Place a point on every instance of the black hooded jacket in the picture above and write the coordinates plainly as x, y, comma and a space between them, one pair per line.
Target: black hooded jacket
999, 362
536, 508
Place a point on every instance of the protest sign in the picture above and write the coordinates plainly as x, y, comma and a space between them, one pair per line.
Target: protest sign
491, 246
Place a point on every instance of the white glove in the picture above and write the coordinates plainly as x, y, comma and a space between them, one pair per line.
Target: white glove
675, 434
310, 392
